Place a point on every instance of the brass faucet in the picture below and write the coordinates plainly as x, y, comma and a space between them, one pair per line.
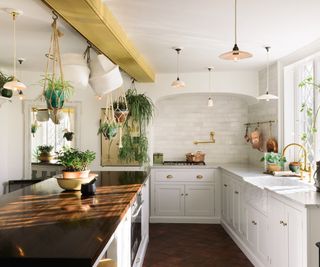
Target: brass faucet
211, 141
305, 168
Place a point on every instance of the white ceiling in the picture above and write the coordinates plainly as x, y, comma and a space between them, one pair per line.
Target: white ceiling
203, 27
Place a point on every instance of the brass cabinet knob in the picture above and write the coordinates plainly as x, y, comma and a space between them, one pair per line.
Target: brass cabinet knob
254, 222
199, 176
236, 192
284, 224
186, 194
281, 222
169, 176
225, 185
182, 194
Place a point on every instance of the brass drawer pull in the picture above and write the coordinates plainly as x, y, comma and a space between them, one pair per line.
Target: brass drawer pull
169, 176
225, 185
236, 192
284, 224
199, 176
254, 222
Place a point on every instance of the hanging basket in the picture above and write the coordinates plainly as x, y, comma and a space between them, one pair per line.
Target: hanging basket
42, 115
100, 65
54, 98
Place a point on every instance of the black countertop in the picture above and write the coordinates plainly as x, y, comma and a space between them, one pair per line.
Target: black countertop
41, 225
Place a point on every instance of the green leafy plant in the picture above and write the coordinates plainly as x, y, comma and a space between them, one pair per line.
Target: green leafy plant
56, 91
274, 158
310, 112
108, 130
34, 128
45, 149
3, 80
75, 160
68, 136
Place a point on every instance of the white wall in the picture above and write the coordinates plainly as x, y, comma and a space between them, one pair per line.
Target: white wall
264, 111
181, 119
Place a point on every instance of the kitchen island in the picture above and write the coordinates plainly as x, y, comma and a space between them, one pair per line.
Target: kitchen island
42, 225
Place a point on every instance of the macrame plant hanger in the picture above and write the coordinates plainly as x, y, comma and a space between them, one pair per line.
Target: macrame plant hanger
121, 111
54, 98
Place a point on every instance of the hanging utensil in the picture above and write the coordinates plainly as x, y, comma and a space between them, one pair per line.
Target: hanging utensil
246, 136
257, 139
272, 144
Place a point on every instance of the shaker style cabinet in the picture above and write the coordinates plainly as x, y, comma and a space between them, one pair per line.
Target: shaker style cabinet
184, 195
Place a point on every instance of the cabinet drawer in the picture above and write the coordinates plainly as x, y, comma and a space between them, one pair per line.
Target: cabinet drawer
184, 175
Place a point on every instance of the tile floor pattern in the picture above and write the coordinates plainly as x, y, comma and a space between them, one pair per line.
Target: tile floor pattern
192, 245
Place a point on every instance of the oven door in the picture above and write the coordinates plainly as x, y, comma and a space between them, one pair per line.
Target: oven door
136, 233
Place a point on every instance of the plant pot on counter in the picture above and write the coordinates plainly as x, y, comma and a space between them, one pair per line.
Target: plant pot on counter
45, 157
75, 174
273, 167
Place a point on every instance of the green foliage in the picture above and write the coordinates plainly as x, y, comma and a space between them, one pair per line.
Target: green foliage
109, 130
4, 78
75, 160
134, 149
140, 107
274, 158
121, 105
58, 85
34, 128
45, 149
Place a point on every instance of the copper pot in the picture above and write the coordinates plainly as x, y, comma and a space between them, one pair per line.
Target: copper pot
195, 157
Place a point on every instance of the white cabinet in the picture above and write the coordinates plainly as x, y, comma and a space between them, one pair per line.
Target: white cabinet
199, 200
236, 204
169, 200
184, 195
286, 234
145, 210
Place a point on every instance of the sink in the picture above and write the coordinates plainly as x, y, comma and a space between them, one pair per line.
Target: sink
279, 183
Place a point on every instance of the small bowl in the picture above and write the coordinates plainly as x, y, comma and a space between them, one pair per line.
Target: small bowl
73, 184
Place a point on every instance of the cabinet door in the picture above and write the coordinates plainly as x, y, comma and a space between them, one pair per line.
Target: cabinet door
123, 236
262, 237
145, 210
236, 205
252, 228
294, 232
225, 198
169, 200
199, 200
277, 241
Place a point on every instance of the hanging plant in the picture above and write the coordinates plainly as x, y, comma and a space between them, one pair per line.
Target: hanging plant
120, 111
34, 128
68, 136
3, 80
108, 130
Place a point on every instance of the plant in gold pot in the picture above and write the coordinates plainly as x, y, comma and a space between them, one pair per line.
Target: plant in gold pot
275, 161
45, 153
76, 162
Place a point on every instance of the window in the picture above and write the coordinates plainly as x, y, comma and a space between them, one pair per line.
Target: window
300, 104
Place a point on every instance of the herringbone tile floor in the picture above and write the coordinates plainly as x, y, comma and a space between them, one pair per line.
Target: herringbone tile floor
192, 245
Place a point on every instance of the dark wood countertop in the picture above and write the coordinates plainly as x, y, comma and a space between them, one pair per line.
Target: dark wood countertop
42, 225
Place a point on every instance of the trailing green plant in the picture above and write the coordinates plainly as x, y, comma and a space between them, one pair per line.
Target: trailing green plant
274, 158
75, 160
120, 105
68, 136
311, 112
34, 128
108, 130
134, 148
45, 149
56, 91
3, 80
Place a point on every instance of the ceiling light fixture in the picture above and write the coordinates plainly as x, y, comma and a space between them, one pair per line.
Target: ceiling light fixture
267, 96
178, 83
14, 84
235, 54
210, 100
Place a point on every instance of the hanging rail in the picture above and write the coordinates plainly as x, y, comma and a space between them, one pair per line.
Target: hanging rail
259, 123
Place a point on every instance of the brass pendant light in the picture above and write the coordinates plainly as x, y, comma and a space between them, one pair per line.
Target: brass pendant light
178, 83
14, 84
267, 96
236, 54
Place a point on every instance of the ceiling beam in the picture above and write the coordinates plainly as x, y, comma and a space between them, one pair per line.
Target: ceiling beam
95, 22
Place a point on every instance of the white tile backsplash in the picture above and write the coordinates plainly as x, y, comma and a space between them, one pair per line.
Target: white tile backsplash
182, 119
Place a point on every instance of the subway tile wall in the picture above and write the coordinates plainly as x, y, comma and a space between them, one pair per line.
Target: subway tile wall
184, 118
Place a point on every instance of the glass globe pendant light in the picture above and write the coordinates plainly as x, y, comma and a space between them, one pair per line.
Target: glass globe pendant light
178, 83
236, 54
14, 84
267, 96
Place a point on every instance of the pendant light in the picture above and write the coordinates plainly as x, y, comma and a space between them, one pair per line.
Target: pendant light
235, 54
178, 83
267, 96
210, 100
14, 84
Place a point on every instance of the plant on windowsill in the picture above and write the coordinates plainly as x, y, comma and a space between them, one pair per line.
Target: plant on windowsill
45, 153
275, 161
76, 162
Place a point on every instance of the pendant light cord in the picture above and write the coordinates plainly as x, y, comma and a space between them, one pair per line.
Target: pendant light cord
235, 21
14, 45
178, 67
267, 48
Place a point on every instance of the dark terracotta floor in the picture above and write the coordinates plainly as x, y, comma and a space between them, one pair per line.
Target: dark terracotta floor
192, 245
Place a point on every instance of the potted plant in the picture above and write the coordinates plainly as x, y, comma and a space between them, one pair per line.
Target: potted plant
120, 111
75, 162
108, 130
3, 80
275, 161
56, 91
34, 128
68, 135
45, 153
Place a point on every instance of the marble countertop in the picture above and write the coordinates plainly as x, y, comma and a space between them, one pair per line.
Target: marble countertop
290, 188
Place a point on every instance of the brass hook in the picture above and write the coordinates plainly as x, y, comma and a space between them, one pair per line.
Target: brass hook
55, 15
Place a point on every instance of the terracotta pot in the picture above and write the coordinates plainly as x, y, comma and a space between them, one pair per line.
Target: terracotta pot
272, 167
70, 175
